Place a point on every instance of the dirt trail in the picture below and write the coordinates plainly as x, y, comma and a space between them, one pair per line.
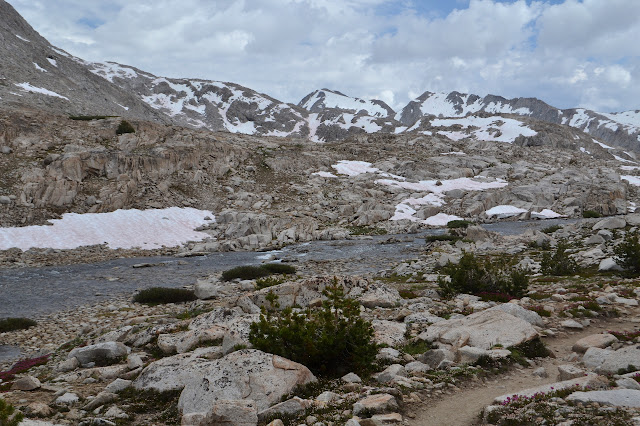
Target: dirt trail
463, 407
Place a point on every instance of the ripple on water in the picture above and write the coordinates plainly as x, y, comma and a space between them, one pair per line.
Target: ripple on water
8, 353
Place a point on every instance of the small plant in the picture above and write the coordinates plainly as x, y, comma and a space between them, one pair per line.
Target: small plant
540, 311
163, 295
125, 127
495, 297
458, 223
591, 214
406, 293
90, 117
366, 230
268, 282
471, 276
279, 268
416, 347
551, 229
330, 341
626, 336
249, 272
8, 417
22, 366
13, 324
162, 407
627, 253
559, 263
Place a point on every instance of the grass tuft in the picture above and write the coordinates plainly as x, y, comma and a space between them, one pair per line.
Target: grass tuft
163, 295
13, 324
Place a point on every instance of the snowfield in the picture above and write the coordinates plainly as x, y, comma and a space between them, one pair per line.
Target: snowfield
144, 229
496, 128
29, 88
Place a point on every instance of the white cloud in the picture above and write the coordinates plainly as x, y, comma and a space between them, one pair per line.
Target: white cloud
576, 53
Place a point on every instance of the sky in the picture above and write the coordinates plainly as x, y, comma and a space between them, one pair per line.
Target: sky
569, 53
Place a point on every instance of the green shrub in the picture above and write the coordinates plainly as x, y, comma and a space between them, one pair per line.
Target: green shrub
244, 273
249, 272
330, 341
458, 223
559, 263
162, 295
366, 230
279, 268
627, 253
474, 277
90, 117
7, 416
125, 127
590, 214
268, 282
13, 324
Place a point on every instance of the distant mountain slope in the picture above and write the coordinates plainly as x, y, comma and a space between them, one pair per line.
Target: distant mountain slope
34, 73
621, 129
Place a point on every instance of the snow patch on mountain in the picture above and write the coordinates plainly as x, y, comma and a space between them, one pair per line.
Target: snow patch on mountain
146, 229
111, 70
22, 38
495, 128
328, 99
39, 68
53, 62
29, 88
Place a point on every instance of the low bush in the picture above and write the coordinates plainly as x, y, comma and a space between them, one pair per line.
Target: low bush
244, 273
472, 276
13, 324
8, 416
627, 253
268, 282
591, 214
249, 272
125, 127
163, 295
331, 341
279, 268
366, 230
559, 263
441, 237
90, 117
458, 223
551, 229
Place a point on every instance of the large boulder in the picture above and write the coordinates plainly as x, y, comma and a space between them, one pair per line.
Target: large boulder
518, 311
482, 330
107, 352
248, 374
228, 412
594, 341
171, 373
589, 381
610, 223
621, 359
615, 397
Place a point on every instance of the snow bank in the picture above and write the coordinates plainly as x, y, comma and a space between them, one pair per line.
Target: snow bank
29, 88
324, 174
545, 214
499, 129
146, 229
354, 168
504, 211
441, 219
633, 180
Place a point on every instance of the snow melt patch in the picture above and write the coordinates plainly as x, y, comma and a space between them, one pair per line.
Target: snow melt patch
633, 180
630, 168
546, 214
504, 211
354, 168
29, 88
602, 145
336, 100
496, 128
23, 39
53, 62
109, 70
441, 219
39, 68
324, 174
146, 229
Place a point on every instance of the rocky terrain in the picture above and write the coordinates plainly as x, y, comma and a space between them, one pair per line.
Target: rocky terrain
434, 352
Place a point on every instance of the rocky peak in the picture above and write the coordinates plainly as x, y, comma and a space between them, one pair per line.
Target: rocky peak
321, 100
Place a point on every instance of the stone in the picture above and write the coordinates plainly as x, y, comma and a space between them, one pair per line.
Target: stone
615, 397
628, 383
380, 296
276, 422
118, 385
610, 223
68, 365
595, 239
134, 361
422, 318
387, 419
39, 409
170, 373
351, 378
101, 352
5, 200
115, 413
68, 398
569, 371
621, 359
289, 407
327, 397
101, 399
601, 341
388, 354
595, 357
518, 311
416, 367
27, 383
470, 354
435, 357
390, 373
572, 324
482, 330
376, 404
246, 374
224, 412
207, 289
609, 264
540, 372
389, 332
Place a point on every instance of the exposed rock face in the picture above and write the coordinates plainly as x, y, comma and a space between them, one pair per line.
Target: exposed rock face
247, 374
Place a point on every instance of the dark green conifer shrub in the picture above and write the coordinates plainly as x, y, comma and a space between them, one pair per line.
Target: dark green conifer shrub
125, 127
627, 253
559, 263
